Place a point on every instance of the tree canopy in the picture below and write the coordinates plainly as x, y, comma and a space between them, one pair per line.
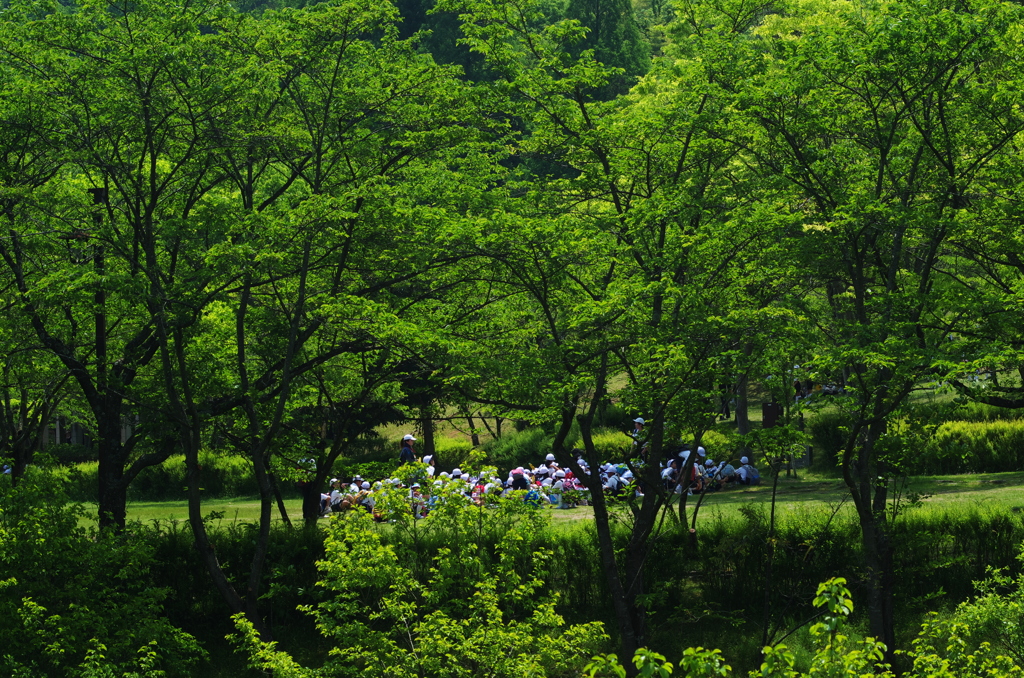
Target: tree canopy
274, 229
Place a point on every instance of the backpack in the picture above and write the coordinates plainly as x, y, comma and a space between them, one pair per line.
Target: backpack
753, 477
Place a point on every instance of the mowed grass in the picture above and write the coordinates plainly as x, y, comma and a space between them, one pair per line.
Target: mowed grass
239, 509
808, 492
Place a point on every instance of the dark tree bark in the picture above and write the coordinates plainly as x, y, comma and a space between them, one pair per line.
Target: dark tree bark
625, 580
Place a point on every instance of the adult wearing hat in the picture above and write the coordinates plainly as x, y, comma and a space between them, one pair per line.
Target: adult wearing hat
408, 453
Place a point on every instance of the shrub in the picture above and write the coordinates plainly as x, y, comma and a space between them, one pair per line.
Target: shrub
222, 475
532, 445
613, 416
518, 448
960, 410
995, 615
828, 432
66, 593
370, 470
451, 452
973, 447
371, 448
718, 445
973, 411
942, 649
70, 453
82, 481
476, 613
613, 444
979, 445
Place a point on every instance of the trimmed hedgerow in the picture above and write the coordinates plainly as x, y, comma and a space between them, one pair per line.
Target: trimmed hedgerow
973, 447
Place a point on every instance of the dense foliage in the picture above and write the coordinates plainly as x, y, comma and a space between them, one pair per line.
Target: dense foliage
66, 593
240, 239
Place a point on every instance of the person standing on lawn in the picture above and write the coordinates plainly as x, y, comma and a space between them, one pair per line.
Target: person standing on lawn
408, 454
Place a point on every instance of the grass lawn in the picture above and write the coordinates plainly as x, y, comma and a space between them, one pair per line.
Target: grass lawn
993, 491
241, 509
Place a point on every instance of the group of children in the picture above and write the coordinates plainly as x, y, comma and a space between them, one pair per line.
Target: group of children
546, 484
708, 476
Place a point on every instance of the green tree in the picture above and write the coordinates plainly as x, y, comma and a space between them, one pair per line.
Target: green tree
129, 164
341, 205
885, 131
630, 264
32, 389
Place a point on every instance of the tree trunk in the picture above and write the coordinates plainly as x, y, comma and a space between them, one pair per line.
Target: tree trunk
769, 569
626, 586
279, 499
426, 445
624, 616
742, 405
259, 558
879, 574
113, 492
870, 497
310, 503
206, 550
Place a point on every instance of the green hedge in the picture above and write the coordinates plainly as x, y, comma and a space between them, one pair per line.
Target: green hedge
451, 452
613, 445
960, 410
974, 447
222, 476
370, 470
973, 411
980, 446
522, 447
529, 447
719, 445
70, 453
